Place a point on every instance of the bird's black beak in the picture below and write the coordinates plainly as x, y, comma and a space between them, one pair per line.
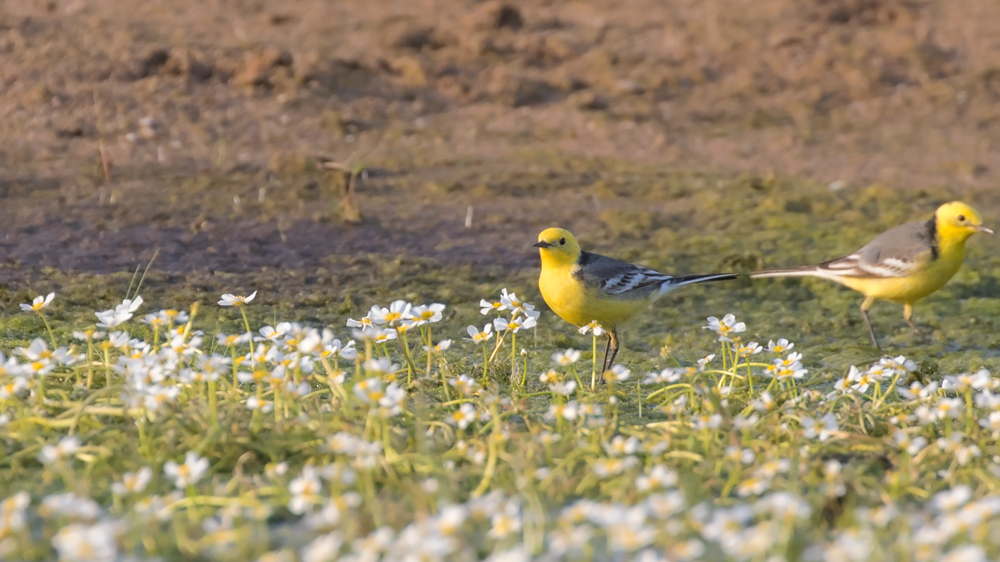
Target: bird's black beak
542, 244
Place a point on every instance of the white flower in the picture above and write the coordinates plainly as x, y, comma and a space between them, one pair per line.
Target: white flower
911, 445
120, 314
88, 335
592, 326
606, 468
234, 340
463, 416
517, 306
365, 323
567, 411
236, 300
952, 499
78, 542
748, 349
480, 337
130, 305
465, 384
133, 483
369, 390
668, 375
66, 448
728, 325
967, 381
486, 306
966, 553
619, 446
898, 366
111, 319
427, 313
506, 522
381, 366
738, 455
781, 346
707, 421
514, 325
305, 491
658, 477
254, 403
398, 312
704, 361
380, 336
822, 430
323, 548
917, 391
38, 303
563, 388
565, 358
333, 346
184, 475
391, 404
949, 408
440, 346
992, 423
617, 373
70, 505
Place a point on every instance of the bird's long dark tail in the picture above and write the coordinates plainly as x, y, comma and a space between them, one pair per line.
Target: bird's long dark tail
692, 279
674, 282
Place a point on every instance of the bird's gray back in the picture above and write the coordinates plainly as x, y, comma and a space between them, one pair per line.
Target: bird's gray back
907, 242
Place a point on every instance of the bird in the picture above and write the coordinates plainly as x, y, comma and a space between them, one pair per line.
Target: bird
581, 287
903, 264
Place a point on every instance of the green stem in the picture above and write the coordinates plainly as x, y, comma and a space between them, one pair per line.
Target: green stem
749, 376
107, 366
430, 350
90, 362
486, 366
213, 403
257, 418
593, 370
513, 357
246, 323
401, 340
491, 461
52, 336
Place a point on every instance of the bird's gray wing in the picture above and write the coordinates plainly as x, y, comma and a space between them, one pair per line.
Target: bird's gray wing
897, 252
618, 278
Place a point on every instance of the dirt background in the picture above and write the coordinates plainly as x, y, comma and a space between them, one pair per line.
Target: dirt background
211, 114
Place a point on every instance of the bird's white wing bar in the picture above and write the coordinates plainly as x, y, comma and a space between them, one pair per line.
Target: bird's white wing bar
632, 279
855, 266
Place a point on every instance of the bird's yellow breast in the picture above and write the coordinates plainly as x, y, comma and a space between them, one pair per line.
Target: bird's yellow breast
578, 304
913, 287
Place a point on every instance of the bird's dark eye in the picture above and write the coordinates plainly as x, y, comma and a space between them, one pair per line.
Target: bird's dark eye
562, 241
961, 218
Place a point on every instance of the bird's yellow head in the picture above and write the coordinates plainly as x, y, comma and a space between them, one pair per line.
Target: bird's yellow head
558, 247
958, 221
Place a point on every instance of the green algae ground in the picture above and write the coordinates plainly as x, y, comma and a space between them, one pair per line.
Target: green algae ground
808, 474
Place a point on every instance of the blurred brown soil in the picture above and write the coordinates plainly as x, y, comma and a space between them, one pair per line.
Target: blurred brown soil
211, 115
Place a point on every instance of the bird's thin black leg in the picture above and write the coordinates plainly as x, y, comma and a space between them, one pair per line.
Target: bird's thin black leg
607, 350
864, 314
615, 345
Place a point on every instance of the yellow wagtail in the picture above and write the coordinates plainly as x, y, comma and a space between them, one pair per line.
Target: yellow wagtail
903, 264
582, 287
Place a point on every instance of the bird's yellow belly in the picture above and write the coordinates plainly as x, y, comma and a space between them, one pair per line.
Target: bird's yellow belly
908, 289
578, 305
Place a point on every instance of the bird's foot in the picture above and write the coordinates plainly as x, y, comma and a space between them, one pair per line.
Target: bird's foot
918, 333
